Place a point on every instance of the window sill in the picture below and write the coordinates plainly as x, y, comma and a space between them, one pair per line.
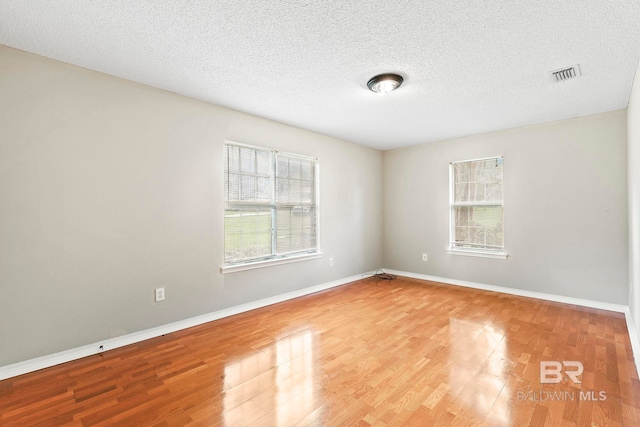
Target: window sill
481, 254
269, 262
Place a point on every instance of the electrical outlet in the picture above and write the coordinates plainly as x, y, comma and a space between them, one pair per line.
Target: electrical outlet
424, 257
330, 262
159, 294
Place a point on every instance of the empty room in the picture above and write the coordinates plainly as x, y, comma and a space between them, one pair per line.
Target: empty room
336, 213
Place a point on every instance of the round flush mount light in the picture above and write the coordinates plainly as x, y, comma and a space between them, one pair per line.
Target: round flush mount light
384, 83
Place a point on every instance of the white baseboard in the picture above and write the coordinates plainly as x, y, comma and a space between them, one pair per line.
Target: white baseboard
633, 333
634, 337
32, 365
512, 291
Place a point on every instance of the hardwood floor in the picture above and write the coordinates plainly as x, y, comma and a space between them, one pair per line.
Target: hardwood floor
379, 353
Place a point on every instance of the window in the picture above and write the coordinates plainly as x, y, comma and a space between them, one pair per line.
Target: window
270, 205
476, 208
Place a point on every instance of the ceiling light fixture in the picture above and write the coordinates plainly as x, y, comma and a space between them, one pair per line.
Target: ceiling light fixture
384, 83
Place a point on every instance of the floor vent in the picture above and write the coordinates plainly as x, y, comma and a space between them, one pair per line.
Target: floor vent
566, 73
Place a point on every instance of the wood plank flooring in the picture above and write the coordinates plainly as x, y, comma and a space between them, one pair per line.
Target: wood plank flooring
372, 353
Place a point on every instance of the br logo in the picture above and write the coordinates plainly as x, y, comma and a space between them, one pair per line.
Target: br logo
552, 372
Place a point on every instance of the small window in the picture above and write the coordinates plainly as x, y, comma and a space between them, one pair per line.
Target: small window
476, 207
270, 205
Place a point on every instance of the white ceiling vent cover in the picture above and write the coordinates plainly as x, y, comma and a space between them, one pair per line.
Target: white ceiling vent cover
566, 73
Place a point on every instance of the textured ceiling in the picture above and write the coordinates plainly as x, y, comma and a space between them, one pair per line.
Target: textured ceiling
469, 66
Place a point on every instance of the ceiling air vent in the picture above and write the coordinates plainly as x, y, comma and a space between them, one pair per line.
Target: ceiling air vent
566, 73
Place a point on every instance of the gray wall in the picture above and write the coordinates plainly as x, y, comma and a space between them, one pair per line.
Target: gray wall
109, 189
565, 208
633, 129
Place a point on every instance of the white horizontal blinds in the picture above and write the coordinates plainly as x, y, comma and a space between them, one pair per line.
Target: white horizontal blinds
248, 218
270, 204
247, 175
296, 229
479, 227
478, 181
295, 204
477, 204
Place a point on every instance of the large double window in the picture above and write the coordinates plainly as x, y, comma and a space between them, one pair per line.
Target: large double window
270, 205
476, 204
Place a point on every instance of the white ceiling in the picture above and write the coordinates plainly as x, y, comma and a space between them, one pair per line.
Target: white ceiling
469, 66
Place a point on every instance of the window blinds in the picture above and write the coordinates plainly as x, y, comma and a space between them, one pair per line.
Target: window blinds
271, 204
477, 204
295, 202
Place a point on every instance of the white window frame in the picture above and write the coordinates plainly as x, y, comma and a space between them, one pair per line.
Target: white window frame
274, 258
452, 248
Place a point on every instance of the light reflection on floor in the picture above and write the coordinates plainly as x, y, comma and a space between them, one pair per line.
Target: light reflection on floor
274, 385
477, 373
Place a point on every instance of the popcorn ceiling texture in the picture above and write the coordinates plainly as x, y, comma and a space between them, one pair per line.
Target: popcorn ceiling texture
470, 67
